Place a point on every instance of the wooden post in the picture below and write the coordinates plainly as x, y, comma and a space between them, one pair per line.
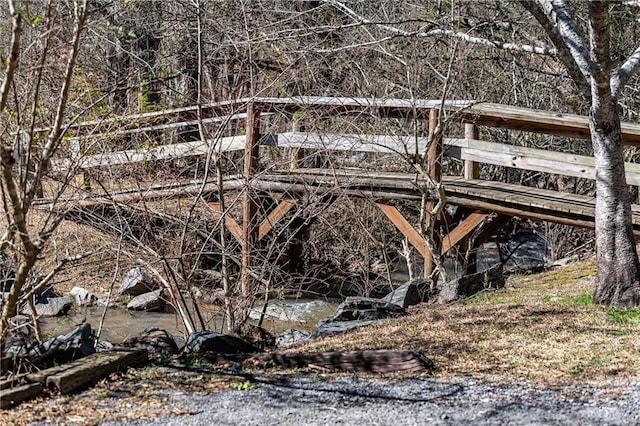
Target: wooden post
434, 165
297, 154
249, 202
471, 168
434, 155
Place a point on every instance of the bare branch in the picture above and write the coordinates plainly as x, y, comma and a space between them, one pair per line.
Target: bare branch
12, 62
539, 50
628, 69
56, 130
561, 27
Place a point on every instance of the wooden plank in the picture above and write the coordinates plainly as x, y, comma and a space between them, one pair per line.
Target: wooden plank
405, 228
581, 166
462, 230
401, 145
274, 217
13, 396
94, 367
162, 152
229, 222
532, 120
163, 126
495, 115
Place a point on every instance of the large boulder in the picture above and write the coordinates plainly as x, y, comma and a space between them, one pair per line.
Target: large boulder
157, 342
58, 350
137, 282
209, 341
50, 306
407, 294
83, 297
151, 301
357, 312
469, 285
365, 308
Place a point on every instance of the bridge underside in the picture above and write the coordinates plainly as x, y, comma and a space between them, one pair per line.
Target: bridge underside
484, 206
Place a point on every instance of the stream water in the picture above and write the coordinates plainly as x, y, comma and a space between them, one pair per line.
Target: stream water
281, 315
529, 253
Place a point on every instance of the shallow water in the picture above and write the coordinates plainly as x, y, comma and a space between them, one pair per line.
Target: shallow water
299, 314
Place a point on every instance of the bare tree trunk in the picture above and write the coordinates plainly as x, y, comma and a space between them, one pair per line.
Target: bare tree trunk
618, 278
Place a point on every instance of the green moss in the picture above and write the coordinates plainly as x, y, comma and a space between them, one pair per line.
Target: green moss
624, 316
585, 299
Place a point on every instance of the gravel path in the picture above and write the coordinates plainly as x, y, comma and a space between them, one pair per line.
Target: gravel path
311, 400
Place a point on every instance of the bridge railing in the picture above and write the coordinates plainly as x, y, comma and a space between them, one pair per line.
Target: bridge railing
470, 148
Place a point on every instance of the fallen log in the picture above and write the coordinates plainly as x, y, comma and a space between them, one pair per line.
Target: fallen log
13, 396
69, 377
94, 367
381, 361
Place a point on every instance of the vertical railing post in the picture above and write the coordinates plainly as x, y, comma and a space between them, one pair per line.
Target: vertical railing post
471, 168
249, 202
297, 153
434, 168
434, 155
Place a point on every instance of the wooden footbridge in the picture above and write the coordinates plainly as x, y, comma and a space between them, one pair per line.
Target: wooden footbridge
307, 128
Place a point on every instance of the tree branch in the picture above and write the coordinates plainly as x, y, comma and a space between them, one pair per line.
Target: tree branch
628, 69
540, 50
561, 27
56, 130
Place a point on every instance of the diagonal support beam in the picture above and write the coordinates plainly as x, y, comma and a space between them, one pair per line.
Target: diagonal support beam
274, 217
229, 222
405, 227
463, 229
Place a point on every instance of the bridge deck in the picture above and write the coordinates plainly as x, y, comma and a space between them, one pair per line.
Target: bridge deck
499, 197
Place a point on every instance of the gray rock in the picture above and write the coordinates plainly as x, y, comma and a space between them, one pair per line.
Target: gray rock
83, 297
104, 346
156, 341
332, 328
50, 306
209, 341
470, 285
137, 282
151, 301
58, 350
364, 308
357, 312
292, 337
407, 294
211, 297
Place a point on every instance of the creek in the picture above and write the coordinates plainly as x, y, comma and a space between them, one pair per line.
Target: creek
528, 251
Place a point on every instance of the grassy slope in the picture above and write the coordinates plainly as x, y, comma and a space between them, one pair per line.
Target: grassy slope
542, 328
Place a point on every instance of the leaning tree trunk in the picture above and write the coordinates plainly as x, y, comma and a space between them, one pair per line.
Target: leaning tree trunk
618, 277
